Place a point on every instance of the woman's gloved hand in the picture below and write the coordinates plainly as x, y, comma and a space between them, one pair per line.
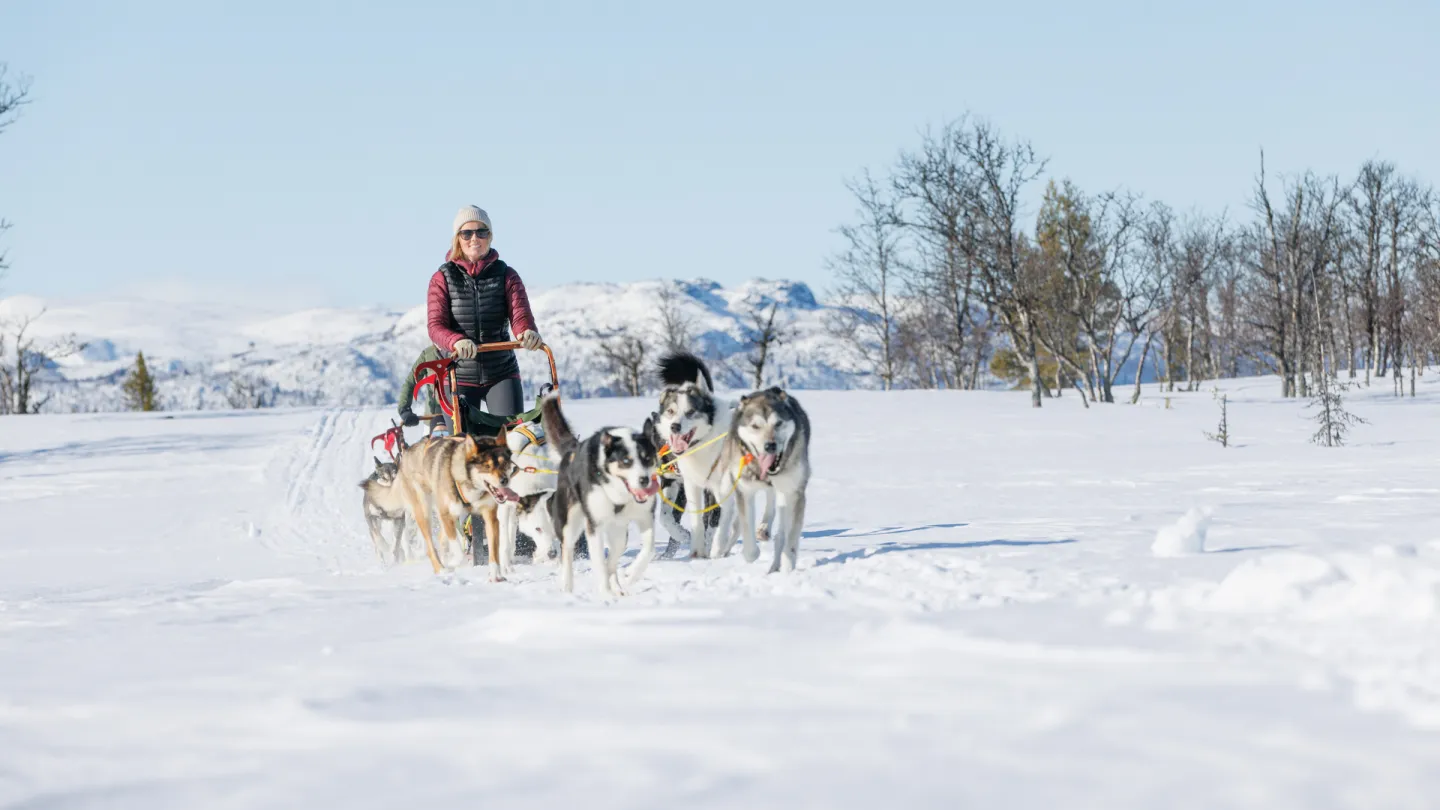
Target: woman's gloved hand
465, 349
530, 340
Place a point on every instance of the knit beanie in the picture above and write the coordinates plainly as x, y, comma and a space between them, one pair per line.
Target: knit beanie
470, 213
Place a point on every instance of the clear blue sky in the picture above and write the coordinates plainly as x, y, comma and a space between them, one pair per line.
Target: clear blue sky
314, 153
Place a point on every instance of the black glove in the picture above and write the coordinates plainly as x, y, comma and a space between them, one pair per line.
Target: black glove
409, 419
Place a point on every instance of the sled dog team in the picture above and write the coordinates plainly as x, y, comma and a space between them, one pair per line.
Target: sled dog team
698, 460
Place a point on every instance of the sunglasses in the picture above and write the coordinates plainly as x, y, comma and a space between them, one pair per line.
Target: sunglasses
475, 233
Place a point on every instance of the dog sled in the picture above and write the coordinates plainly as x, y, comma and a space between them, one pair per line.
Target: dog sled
439, 375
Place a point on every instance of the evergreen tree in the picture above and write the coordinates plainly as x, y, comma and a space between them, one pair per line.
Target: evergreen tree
139, 387
1331, 418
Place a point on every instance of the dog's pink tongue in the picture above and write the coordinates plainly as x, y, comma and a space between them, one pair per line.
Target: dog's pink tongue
762, 465
679, 444
507, 494
654, 486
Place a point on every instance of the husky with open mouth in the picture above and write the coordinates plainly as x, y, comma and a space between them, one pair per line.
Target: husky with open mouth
691, 419
768, 450
455, 476
606, 483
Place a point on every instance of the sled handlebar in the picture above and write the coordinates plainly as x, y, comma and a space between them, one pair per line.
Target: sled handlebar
512, 345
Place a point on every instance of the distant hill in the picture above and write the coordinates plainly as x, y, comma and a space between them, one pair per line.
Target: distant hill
198, 354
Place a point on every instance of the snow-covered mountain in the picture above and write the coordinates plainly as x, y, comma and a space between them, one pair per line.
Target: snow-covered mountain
204, 356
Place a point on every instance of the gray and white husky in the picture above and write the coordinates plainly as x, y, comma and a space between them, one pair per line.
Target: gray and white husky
668, 517
690, 416
385, 503
774, 431
532, 480
606, 483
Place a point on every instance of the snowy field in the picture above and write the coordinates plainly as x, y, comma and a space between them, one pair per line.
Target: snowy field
191, 616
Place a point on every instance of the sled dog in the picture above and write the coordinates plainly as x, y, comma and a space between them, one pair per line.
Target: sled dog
773, 432
532, 480
672, 490
690, 416
607, 482
385, 503
455, 475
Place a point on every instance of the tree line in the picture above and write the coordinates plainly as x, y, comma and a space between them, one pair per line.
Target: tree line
945, 281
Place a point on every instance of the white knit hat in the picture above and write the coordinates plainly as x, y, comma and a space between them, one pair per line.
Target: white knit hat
471, 213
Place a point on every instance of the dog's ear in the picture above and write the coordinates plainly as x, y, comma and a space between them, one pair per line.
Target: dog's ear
378, 464
470, 448
502, 438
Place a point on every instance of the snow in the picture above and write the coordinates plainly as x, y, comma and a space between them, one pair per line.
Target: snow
1184, 536
191, 616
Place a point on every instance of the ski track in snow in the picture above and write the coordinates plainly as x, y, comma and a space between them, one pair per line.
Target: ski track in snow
983, 623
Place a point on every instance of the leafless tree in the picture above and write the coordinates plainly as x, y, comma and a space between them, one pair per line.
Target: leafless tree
935, 188
1292, 247
867, 281
248, 392
23, 356
766, 329
14, 94
1008, 279
625, 355
675, 325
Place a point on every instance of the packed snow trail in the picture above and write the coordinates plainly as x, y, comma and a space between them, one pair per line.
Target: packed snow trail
191, 615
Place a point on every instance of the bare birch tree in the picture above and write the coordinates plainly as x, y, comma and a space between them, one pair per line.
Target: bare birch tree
867, 277
677, 329
625, 355
766, 330
14, 94
23, 356
1008, 281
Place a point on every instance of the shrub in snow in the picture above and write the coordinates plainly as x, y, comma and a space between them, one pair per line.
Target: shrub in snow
1184, 536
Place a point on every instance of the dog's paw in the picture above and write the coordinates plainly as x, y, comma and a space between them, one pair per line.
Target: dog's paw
763, 533
752, 553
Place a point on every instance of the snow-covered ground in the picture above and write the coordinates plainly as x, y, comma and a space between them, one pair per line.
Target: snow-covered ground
190, 616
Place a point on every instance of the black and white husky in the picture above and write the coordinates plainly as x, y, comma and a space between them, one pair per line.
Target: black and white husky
606, 483
772, 431
690, 417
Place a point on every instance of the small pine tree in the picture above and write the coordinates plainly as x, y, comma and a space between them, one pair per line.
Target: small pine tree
1330, 414
1222, 431
139, 387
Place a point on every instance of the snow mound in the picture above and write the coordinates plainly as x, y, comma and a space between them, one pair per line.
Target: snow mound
1380, 585
1184, 536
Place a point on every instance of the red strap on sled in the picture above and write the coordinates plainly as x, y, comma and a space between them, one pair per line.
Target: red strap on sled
392, 438
436, 373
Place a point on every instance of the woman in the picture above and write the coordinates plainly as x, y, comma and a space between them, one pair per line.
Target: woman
476, 298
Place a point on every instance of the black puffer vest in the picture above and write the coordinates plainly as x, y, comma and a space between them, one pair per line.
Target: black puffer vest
481, 309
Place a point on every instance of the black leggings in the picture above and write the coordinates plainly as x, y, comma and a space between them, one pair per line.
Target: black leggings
502, 398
